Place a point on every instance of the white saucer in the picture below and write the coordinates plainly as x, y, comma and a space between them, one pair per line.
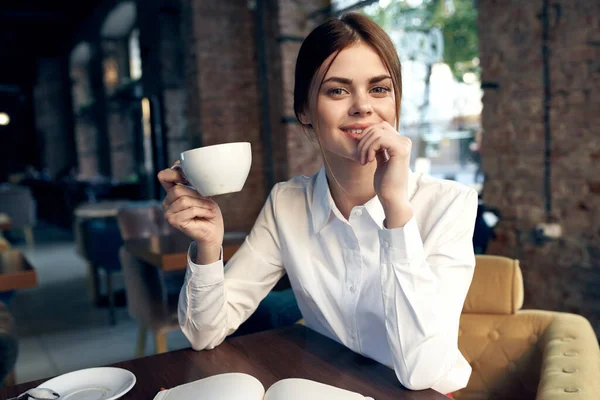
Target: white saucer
105, 383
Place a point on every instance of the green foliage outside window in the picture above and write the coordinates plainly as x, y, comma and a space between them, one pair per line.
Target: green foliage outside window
457, 19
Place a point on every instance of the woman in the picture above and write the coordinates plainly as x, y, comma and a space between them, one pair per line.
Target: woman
379, 258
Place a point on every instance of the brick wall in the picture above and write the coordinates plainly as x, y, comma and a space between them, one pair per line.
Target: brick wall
84, 125
120, 110
562, 274
224, 95
85, 135
223, 107
52, 113
172, 70
296, 20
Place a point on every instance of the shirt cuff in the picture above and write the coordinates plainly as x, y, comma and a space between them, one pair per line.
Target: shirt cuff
204, 275
400, 245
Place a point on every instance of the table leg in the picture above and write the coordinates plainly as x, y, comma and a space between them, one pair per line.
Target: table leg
94, 284
141, 341
111, 299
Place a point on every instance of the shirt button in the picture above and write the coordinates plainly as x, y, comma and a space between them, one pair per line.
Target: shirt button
352, 288
386, 245
358, 213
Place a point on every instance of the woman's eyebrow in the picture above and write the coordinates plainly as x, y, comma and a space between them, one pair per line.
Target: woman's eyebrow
339, 80
379, 78
347, 81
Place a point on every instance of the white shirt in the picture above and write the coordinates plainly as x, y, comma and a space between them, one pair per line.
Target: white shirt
392, 295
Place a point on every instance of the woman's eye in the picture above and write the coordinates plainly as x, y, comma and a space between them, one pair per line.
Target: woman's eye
335, 92
380, 89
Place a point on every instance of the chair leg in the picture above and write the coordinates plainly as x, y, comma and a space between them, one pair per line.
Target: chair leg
160, 343
10, 379
111, 299
29, 238
94, 284
141, 342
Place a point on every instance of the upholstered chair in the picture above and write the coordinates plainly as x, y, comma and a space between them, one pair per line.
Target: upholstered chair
523, 354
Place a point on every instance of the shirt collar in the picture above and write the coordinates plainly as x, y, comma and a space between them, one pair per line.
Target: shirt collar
323, 204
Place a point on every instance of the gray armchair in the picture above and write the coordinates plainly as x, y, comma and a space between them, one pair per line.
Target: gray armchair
20, 205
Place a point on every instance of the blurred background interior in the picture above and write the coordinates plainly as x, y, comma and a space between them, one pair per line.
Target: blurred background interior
97, 96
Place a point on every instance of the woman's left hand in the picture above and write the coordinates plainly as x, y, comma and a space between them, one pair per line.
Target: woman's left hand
383, 144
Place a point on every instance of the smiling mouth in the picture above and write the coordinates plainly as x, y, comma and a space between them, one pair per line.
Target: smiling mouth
353, 133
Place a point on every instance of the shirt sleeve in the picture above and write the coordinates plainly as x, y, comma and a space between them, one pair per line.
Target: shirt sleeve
214, 301
424, 287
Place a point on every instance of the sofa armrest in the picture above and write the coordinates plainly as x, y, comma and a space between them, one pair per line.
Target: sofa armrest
571, 360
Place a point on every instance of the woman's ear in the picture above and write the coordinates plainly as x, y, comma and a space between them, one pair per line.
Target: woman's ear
305, 120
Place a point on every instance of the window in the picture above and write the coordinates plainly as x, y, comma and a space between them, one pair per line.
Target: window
135, 59
441, 102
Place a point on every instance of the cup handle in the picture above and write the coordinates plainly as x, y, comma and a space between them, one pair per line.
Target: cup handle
187, 183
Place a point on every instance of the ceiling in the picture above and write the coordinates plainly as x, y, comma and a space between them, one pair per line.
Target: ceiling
30, 29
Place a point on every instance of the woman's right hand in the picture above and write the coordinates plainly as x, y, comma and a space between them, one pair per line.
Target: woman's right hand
196, 216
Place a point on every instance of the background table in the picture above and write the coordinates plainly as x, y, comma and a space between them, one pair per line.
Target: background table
292, 352
169, 253
15, 271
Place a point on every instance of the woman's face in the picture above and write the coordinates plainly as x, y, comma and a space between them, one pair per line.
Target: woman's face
357, 91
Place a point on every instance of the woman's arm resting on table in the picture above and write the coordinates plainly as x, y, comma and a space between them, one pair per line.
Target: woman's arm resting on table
423, 295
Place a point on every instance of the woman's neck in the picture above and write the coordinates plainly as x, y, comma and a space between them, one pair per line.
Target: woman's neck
355, 179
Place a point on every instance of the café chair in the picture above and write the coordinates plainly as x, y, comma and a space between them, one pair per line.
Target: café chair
9, 346
151, 294
523, 354
4, 244
18, 203
101, 240
137, 222
151, 301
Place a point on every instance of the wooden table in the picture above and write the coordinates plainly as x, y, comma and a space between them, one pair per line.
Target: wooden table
15, 271
169, 253
101, 209
292, 352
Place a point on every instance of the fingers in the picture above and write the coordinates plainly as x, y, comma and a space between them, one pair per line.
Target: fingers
178, 191
369, 145
170, 177
191, 215
185, 202
380, 142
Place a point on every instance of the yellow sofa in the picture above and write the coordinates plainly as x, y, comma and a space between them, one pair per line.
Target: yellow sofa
523, 354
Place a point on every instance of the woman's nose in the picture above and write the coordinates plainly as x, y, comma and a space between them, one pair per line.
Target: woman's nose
361, 106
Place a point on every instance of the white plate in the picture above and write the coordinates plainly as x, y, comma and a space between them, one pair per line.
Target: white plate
105, 383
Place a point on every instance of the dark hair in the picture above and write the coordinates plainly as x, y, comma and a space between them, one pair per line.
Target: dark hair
333, 36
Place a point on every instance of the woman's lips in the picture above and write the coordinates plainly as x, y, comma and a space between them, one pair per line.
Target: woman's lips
353, 133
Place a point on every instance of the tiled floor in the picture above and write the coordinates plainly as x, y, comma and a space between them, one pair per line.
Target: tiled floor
59, 329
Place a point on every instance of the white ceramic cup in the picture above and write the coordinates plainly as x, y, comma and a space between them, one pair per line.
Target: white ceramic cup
218, 169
